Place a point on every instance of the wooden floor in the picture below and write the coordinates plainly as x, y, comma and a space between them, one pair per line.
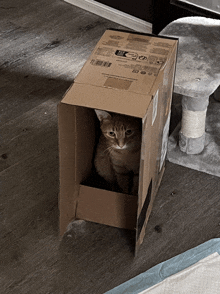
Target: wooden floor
43, 46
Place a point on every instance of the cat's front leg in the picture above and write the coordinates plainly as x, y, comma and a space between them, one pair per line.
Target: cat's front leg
123, 178
123, 181
104, 167
135, 185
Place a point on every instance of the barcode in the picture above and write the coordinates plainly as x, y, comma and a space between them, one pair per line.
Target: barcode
100, 63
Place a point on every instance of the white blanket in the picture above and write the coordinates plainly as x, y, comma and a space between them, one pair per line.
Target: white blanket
200, 278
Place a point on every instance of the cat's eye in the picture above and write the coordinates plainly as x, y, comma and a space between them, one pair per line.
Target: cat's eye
111, 134
128, 132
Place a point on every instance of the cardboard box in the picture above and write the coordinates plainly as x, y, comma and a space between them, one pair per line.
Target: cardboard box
131, 74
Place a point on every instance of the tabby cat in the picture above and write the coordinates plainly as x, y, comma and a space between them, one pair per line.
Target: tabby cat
117, 155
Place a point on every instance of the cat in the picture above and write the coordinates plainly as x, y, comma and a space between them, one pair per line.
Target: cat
117, 156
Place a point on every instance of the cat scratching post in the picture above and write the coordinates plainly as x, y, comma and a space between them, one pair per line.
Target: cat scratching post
197, 75
192, 133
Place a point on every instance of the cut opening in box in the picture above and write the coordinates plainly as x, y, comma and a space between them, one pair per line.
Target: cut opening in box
95, 201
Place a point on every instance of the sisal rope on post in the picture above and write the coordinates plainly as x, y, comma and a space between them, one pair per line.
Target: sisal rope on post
193, 123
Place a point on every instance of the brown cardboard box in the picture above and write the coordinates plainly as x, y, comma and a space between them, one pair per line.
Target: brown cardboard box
131, 74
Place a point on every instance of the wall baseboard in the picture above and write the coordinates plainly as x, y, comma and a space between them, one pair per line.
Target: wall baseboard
114, 15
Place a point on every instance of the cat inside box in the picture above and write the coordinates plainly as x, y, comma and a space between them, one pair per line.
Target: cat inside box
116, 157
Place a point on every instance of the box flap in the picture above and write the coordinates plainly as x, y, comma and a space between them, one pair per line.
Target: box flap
76, 137
106, 207
108, 99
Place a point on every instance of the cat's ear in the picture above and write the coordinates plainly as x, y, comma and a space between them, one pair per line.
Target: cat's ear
101, 114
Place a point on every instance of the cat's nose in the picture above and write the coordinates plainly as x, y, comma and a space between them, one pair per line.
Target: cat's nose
121, 143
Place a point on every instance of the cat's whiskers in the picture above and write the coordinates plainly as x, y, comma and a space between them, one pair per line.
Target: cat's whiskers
109, 149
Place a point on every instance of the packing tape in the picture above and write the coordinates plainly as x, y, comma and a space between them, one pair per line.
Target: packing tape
193, 123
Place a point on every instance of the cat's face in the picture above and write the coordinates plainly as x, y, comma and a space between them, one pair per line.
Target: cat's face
121, 132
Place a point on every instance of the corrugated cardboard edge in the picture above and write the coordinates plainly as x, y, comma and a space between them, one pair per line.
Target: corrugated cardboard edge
67, 203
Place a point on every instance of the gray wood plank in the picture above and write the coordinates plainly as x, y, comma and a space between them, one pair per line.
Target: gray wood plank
42, 47
29, 164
